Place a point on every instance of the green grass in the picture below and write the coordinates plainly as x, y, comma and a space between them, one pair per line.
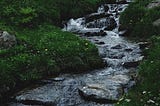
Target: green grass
45, 51
30, 13
139, 19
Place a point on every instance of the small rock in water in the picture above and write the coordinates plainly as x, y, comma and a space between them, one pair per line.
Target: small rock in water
131, 64
100, 43
106, 8
117, 47
96, 40
118, 56
102, 33
128, 50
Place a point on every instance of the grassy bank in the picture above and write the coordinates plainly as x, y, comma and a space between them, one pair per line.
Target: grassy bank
139, 19
42, 48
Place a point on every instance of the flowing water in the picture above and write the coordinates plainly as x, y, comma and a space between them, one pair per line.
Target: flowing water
102, 87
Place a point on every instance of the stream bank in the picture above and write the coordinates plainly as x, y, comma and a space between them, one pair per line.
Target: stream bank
102, 87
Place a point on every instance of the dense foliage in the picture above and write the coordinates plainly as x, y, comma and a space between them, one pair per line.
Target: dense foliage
34, 12
139, 19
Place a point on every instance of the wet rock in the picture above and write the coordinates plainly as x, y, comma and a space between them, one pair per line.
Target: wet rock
7, 40
96, 40
100, 33
100, 43
108, 23
97, 93
128, 50
117, 47
143, 45
156, 23
106, 8
96, 16
111, 24
131, 64
117, 56
153, 4
58, 93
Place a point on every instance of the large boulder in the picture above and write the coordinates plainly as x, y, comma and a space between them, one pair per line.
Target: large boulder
7, 40
108, 91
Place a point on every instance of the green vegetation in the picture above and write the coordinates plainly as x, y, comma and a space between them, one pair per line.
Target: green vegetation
139, 19
34, 12
43, 49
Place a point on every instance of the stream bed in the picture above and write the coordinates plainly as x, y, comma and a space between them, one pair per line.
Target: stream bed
101, 87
